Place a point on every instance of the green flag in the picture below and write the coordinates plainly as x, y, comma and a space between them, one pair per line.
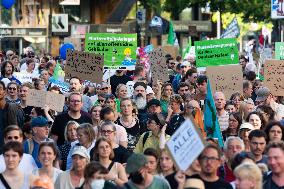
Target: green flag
171, 34
187, 50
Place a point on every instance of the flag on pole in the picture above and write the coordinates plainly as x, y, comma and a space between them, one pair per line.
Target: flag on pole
187, 50
172, 39
211, 123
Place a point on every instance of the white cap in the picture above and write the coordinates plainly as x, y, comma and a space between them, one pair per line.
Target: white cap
81, 151
246, 126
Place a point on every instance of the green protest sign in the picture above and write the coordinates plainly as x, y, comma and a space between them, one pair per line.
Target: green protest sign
279, 50
216, 52
119, 50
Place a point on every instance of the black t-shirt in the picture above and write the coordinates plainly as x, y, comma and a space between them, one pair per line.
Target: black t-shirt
220, 183
116, 80
60, 123
172, 181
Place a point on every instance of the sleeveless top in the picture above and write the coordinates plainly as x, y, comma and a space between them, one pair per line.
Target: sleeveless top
26, 183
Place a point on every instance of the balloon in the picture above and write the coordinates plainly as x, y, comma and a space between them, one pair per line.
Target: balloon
63, 49
8, 3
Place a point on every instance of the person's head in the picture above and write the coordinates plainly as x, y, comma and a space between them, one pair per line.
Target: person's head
243, 61
210, 160
191, 75
183, 89
230, 107
101, 98
2, 91
13, 133
139, 72
176, 102
37, 111
47, 153
245, 130
94, 175
248, 176
201, 84
30, 64
12, 89
44, 75
110, 101
105, 88
247, 89
126, 106
246, 107
39, 84
275, 153
107, 114
86, 134
15, 61
75, 102
232, 146
70, 131
103, 149
191, 107
155, 122
274, 131
152, 160
220, 100
171, 63
95, 112
255, 119
185, 65
139, 95
236, 99
166, 163
167, 90
7, 68
24, 91
13, 152
235, 121
121, 91
108, 130
240, 158
80, 158
264, 96
257, 139
40, 128
137, 168
154, 106
75, 84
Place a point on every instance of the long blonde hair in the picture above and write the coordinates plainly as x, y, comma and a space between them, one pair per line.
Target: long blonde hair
251, 172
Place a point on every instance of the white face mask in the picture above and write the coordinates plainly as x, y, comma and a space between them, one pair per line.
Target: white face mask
98, 184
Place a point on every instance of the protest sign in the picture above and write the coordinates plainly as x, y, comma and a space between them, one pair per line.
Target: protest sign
216, 52
172, 50
23, 78
40, 98
159, 68
119, 50
232, 31
185, 144
227, 79
279, 50
273, 76
86, 66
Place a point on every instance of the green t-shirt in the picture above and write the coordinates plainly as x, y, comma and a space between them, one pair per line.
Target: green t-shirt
157, 183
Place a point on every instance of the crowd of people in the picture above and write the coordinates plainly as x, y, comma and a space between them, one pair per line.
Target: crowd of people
113, 135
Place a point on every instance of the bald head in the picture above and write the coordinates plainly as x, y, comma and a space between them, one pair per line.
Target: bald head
220, 100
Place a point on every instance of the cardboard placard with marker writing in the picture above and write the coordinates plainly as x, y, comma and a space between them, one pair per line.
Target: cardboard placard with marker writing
86, 66
274, 76
227, 79
159, 68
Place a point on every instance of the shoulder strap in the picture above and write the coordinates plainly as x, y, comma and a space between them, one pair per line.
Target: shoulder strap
30, 146
110, 165
4, 181
145, 137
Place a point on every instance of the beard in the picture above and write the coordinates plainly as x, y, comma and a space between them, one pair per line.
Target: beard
140, 102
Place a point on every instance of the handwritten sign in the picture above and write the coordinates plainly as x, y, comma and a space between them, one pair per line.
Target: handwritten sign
172, 50
216, 52
119, 50
228, 79
86, 66
185, 144
23, 78
40, 98
159, 68
279, 50
274, 76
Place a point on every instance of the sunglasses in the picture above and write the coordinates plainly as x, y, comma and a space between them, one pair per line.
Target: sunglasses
12, 88
107, 131
11, 138
99, 100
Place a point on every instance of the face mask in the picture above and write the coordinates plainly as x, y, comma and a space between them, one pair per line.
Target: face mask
136, 177
98, 184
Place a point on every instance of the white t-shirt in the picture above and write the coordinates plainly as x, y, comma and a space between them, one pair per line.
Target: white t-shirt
27, 164
56, 172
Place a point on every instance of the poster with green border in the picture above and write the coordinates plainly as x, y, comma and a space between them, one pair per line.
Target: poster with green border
216, 52
119, 50
279, 50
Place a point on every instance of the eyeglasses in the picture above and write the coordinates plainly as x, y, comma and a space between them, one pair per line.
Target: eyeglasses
205, 158
100, 100
107, 131
105, 88
75, 101
183, 67
11, 137
12, 88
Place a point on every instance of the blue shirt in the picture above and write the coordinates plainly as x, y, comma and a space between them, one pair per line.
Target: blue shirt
12, 79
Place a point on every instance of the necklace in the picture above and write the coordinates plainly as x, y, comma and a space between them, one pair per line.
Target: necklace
127, 125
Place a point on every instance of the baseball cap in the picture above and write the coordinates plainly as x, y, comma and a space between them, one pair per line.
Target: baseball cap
135, 162
246, 126
153, 102
262, 94
81, 151
185, 63
149, 90
39, 121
